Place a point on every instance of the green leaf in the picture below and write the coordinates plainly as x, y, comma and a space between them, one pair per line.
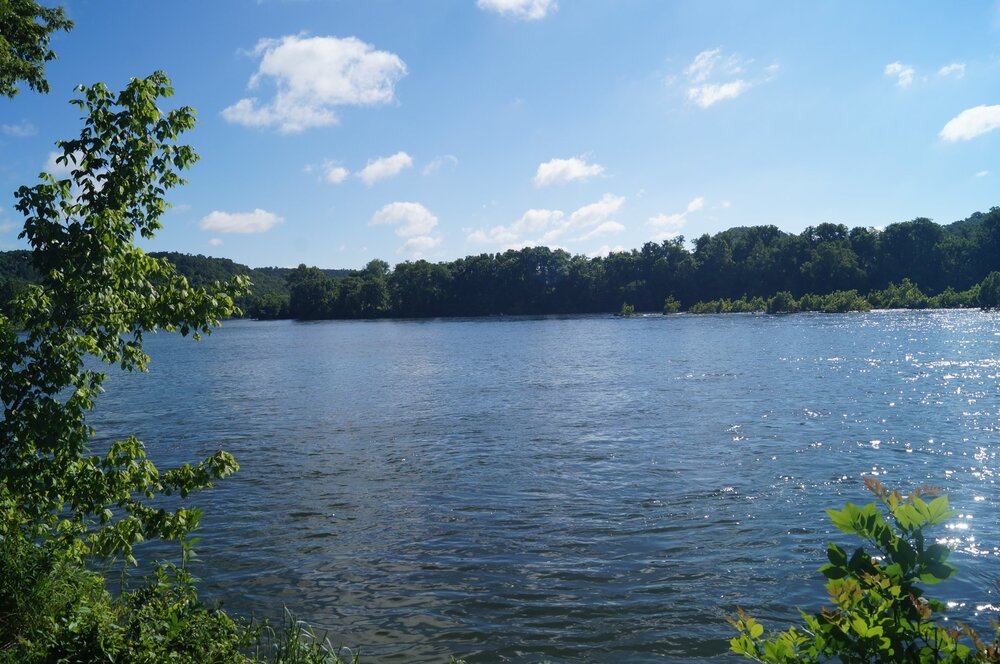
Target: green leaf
936, 572
938, 510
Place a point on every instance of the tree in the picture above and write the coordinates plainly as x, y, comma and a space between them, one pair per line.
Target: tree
99, 294
25, 30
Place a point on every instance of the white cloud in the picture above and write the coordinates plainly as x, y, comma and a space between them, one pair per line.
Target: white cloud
713, 77
334, 173
257, 221
438, 162
712, 63
982, 174
410, 219
525, 10
596, 213
313, 76
532, 221
710, 93
545, 227
903, 73
417, 246
384, 167
956, 69
972, 122
604, 250
22, 129
668, 226
558, 171
607, 228
216, 242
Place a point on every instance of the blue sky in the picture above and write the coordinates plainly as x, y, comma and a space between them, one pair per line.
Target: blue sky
333, 132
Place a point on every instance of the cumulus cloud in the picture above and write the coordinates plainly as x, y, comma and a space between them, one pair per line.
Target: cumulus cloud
334, 173
956, 69
417, 246
384, 167
668, 226
257, 221
714, 76
216, 242
525, 10
559, 171
544, 227
22, 129
903, 73
596, 213
531, 222
438, 163
410, 219
971, 122
312, 77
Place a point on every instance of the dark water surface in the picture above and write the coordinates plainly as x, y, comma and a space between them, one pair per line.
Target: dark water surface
575, 489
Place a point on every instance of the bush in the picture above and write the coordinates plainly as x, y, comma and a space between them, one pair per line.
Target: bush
902, 296
989, 291
880, 614
782, 303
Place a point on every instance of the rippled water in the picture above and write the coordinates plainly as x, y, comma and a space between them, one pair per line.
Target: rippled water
566, 488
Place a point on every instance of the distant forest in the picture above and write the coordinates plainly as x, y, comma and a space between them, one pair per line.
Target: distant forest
913, 263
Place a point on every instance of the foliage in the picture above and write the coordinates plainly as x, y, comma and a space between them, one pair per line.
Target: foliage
627, 310
989, 291
949, 298
270, 292
782, 303
725, 306
25, 30
879, 613
98, 296
835, 302
905, 295
914, 264
56, 610
824, 268
671, 305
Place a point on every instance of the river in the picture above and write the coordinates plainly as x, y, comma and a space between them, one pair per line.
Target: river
565, 488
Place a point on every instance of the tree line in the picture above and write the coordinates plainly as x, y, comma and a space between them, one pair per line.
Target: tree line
911, 264
916, 264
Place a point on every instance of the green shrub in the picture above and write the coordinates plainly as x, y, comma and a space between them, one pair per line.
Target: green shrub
782, 303
952, 299
880, 613
989, 291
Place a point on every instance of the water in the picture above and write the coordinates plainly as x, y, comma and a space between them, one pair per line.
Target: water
573, 489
